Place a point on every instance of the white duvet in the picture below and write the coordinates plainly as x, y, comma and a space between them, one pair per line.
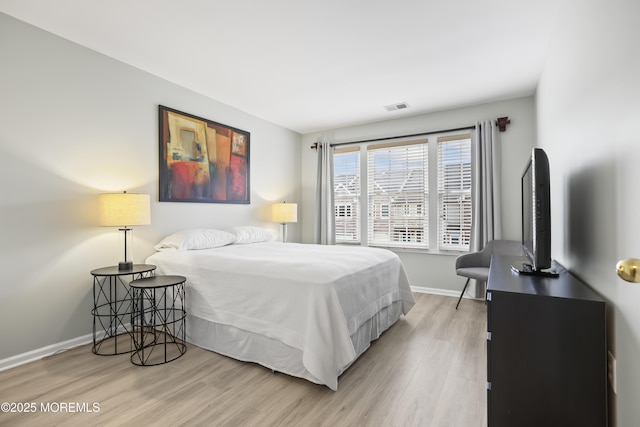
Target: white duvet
309, 297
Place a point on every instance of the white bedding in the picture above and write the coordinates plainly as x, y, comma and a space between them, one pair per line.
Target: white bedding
309, 297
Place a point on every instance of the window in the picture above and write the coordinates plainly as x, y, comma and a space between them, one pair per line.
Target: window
400, 186
454, 192
397, 184
346, 189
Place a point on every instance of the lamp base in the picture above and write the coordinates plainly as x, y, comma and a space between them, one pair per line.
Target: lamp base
125, 265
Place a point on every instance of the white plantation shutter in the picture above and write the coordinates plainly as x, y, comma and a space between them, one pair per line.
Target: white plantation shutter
346, 183
454, 192
398, 194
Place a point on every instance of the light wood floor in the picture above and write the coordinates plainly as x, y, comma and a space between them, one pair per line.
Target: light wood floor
429, 369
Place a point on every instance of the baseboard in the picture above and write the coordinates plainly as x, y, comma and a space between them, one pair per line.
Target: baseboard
39, 353
443, 292
434, 291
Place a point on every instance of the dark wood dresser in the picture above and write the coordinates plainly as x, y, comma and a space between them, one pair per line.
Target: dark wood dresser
546, 350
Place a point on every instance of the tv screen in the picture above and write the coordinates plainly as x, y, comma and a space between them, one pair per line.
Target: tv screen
536, 212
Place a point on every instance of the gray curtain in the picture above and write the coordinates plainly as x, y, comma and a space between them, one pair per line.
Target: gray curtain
485, 188
324, 220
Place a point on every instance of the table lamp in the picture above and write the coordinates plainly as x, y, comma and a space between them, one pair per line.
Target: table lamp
284, 213
124, 210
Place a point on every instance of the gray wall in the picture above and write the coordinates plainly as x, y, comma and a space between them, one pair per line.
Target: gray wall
73, 124
437, 271
588, 106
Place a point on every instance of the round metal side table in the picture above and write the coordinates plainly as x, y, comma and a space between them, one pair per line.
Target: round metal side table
158, 320
112, 306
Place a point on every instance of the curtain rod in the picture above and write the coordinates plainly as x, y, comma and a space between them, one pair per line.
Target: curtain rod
502, 125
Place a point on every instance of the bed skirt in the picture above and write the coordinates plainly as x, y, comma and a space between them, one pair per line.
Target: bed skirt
273, 354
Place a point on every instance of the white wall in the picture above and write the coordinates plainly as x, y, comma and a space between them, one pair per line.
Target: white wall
73, 124
433, 270
588, 107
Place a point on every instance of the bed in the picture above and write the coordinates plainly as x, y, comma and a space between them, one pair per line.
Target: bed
305, 310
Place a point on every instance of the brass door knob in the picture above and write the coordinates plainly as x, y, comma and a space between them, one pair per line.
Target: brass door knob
629, 269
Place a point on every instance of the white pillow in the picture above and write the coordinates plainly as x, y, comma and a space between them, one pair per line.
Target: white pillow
198, 238
251, 234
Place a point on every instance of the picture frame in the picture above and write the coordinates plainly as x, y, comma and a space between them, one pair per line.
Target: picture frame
201, 160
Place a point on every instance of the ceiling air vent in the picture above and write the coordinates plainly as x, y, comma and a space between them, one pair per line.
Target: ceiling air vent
394, 107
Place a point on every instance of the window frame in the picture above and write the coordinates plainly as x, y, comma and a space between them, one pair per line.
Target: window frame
354, 203
461, 193
406, 231
433, 203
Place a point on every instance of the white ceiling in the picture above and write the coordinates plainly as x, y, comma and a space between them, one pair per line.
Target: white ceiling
314, 65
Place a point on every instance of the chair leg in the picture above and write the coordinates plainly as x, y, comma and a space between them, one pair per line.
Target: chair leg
462, 293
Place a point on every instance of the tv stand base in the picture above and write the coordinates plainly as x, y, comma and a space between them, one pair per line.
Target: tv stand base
528, 270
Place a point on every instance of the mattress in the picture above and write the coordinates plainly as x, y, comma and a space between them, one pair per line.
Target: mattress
296, 308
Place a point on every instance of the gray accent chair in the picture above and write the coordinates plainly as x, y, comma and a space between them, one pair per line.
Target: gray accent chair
475, 265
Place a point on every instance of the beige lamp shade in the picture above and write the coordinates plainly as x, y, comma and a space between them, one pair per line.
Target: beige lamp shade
123, 209
284, 212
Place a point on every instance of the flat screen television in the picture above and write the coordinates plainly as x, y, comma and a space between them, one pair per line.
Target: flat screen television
536, 215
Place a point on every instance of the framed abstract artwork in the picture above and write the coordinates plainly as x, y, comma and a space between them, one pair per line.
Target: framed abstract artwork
202, 160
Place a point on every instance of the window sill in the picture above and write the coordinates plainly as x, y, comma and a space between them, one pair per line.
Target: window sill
425, 251
411, 250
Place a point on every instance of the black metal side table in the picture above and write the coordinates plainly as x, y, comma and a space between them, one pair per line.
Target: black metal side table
158, 320
112, 306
